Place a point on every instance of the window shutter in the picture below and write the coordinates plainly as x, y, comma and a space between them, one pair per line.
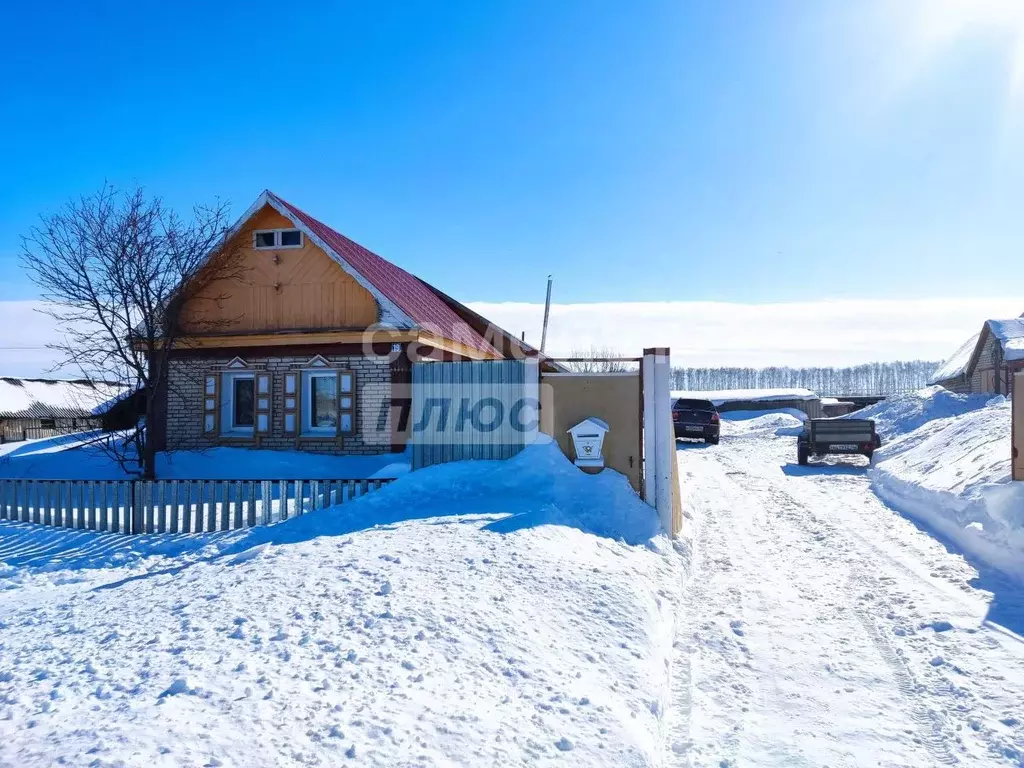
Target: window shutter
262, 410
290, 411
211, 403
346, 403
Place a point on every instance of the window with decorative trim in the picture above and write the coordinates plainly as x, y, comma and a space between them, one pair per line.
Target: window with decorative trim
267, 239
320, 402
236, 401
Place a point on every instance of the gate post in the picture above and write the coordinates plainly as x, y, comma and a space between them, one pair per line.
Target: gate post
1017, 434
659, 441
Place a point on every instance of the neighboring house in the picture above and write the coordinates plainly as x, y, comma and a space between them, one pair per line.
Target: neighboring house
313, 345
987, 361
34, 408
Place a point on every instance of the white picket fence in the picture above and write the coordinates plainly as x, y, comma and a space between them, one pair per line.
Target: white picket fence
171, 506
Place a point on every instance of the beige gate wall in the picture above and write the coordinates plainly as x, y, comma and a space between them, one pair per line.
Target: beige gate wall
1018, 426
567, 399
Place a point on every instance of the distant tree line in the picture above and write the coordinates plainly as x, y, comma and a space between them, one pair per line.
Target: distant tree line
867, 379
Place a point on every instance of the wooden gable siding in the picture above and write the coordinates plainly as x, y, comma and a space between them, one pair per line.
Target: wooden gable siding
305, 290
989, 373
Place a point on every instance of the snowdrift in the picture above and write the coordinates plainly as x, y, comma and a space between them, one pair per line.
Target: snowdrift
81, 456
464, 615
902, 414
539, 486
947, 463
778, 421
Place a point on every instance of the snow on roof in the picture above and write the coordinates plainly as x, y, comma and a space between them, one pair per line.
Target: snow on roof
752, 395
957, 364
406, 291
52, 398
1010, 334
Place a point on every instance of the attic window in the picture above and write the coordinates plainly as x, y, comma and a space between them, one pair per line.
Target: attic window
266, 239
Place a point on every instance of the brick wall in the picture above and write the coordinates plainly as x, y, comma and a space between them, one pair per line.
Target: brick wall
185, 378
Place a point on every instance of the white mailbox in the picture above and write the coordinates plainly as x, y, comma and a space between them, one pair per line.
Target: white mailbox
588, 439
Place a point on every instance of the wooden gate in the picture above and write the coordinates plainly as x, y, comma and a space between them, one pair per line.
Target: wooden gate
473, 410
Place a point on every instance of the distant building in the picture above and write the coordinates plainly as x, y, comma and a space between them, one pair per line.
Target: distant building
36, 408
730, 400
987, 361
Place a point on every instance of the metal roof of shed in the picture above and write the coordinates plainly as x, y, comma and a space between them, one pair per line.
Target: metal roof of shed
56, 398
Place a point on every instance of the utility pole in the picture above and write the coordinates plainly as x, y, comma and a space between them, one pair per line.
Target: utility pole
547, 314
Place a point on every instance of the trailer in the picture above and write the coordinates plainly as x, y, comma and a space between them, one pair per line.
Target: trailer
821, 437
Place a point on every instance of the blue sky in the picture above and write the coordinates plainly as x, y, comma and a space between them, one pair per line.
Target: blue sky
750, 151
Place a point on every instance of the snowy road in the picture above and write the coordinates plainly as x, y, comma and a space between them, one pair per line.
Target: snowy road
821, 628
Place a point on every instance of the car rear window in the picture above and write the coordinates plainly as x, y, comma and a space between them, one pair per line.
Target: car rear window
699, 405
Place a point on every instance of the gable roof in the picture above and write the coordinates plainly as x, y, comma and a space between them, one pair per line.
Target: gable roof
405, 301
958, 363
1010, 335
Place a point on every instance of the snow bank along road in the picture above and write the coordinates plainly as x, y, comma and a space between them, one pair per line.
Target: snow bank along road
819, 627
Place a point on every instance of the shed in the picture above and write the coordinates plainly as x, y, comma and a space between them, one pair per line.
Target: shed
35, 408
987, 361
771, 399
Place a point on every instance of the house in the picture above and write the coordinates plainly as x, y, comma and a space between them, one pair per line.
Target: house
987, 361
311, 343
35, 408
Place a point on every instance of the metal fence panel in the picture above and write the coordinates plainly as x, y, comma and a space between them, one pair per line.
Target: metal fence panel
472, 410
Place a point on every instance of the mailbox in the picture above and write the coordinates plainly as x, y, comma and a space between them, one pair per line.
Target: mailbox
588, 440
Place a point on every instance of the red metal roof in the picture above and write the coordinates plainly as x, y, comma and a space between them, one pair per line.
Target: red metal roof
407, 292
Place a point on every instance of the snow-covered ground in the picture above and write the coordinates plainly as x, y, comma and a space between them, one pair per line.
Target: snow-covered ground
948, 465
81, 457
484, 613
822, 627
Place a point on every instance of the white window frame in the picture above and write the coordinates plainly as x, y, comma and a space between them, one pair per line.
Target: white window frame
306, 403
228, 428
277, 239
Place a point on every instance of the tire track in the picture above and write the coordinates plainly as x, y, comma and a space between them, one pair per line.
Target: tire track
929, 723
863, 594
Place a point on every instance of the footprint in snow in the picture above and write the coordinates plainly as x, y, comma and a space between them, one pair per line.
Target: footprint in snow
177, 687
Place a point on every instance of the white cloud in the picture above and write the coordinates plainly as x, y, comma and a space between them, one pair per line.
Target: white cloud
840, 332
24, 334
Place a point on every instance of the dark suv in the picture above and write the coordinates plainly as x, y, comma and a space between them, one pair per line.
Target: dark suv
697, 419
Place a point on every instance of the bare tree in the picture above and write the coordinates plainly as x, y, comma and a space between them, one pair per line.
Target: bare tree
597, 360
116, 270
